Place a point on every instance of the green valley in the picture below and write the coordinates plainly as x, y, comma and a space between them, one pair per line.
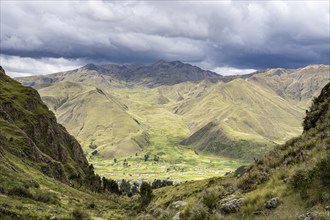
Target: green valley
187, 123
44, 174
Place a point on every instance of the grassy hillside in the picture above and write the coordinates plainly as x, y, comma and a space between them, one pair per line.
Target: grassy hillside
40, 163
298, 86
29, 130
44, 174
291, 182
95, 117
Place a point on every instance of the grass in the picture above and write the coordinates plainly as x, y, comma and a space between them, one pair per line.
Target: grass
145, 126
246, 113
175, 163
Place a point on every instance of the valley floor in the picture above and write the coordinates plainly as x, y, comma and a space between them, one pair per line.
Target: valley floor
174, 164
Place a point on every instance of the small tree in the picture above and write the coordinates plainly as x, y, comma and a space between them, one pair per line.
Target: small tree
146, 194
110, 185
125, 188
146, 157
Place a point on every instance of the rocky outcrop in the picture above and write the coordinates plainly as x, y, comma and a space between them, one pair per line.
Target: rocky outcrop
273, 203
179, 204
30, 132
311, 216
231, 206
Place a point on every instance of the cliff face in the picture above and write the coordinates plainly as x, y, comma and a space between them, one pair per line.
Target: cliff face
29, 132
317, 114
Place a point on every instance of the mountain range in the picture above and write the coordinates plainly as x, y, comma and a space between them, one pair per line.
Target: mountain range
45, 175
122, 110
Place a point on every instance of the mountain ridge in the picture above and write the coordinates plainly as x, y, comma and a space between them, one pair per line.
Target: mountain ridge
243, 108
149, 75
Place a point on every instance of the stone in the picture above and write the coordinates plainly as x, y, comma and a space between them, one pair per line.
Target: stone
272, 203
311, 216
177, 216
263, 177
231, 206
178, 204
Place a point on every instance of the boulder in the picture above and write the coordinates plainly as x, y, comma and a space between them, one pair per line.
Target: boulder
178, 204
241, 170
177, 216
231, 206
272, 203
311, 216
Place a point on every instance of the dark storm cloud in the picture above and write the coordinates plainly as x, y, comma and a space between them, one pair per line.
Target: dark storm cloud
213, 35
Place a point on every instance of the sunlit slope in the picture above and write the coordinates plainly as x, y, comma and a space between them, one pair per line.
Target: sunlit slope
298, 86
240, 117
163, 125
296, 174
95, 117
239, 110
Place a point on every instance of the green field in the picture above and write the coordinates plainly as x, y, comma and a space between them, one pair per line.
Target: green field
174, 163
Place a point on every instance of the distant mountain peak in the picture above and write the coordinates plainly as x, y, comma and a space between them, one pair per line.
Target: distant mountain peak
160, 73
161, 61
313, 66
90, 66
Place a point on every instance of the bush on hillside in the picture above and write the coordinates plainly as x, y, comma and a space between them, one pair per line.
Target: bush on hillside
323, 171
2, 190
78, 214
46, 197
195, 211
145, 194
125, 188
20, 191
110, 185
210, 198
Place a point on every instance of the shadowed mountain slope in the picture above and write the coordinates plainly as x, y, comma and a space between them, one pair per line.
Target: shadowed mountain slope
30, 133
152, 75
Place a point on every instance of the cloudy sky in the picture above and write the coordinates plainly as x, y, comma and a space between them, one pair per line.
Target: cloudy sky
229, 37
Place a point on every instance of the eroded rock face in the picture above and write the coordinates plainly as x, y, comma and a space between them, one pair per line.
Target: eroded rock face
311, 216
231, 206
33, 134
273, 203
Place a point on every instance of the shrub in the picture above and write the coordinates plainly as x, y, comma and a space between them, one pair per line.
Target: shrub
77, 214
146, 194
299, 180
210, 198
110, 185
322, 169
196, 211
47, 197
125, 188
20, 191
31, 183
91, 205
2, 190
